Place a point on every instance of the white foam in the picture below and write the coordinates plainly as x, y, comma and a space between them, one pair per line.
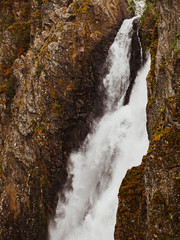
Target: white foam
118, 142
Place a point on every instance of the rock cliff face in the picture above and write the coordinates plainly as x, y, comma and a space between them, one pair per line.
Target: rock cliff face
150, 193
51, 58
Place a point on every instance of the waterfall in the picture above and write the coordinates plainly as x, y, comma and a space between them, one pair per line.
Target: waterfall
118, 142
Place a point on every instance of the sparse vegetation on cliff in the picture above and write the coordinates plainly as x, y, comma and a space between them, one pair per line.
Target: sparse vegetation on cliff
131, 8
148, 24
160, 179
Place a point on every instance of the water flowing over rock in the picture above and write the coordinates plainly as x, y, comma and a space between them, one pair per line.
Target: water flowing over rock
54, 73
89, 208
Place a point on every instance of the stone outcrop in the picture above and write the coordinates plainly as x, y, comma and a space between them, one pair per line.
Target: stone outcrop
51, 58
150, 193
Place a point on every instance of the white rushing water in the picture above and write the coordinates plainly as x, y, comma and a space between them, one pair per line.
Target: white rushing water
139, 6
118, 142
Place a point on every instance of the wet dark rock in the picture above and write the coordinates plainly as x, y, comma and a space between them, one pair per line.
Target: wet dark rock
135, 60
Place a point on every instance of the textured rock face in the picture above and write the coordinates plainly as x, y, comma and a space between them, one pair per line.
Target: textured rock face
131, 214
164, 91
163, 165
51, 57
149, 208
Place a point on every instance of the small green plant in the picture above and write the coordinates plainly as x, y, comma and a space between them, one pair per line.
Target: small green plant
131, 8
178, 175
3, 88
57, 109
80, 6
38, 70
174, 238
10, 91
21, 31
175, 47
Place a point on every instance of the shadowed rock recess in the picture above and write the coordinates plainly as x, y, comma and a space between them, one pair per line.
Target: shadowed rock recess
51, 58
149, 195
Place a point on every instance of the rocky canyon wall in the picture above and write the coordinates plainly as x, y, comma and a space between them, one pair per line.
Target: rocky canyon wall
51, 65
149, 195
51, 58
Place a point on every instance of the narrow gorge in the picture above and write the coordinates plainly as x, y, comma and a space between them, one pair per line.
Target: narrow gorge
89, 209
73, 96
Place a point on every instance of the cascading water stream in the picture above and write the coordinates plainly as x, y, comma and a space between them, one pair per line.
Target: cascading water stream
118, 142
